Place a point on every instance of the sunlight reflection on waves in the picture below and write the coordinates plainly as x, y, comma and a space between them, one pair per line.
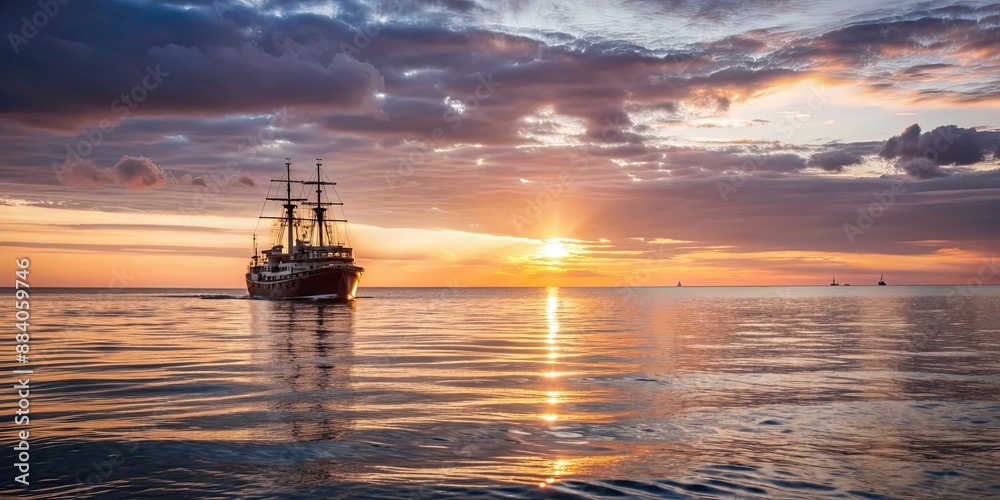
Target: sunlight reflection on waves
414, 393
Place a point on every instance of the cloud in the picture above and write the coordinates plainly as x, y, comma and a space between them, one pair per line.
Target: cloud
118, 248
834, 160
570, 273
86, 173
137, 173
140, 173
922, 154
922, 168
729, 159
931, 36
204, 65
217, 180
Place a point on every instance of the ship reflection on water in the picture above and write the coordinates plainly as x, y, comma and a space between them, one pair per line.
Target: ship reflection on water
312, 359
304, 356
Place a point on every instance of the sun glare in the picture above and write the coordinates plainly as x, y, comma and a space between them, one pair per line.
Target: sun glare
555, 250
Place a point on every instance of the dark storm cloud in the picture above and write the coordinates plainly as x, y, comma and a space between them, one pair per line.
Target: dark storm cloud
841, 155
945, 145
916, 153
921, 155
116, 59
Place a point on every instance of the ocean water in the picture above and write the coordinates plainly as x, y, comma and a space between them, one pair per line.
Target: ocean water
803, 392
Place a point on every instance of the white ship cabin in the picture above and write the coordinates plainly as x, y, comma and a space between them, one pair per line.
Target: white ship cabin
304, 251
305, 257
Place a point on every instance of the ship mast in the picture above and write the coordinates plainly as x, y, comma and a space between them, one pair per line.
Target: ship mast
319, 200
289, 205
320, 208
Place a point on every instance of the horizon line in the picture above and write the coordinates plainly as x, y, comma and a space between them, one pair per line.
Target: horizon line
471, 287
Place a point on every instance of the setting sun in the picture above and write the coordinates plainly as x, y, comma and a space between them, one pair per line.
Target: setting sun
555, 250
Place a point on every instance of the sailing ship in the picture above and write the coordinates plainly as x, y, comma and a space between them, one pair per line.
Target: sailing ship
881, 282
678, 283
316, 260
834, 283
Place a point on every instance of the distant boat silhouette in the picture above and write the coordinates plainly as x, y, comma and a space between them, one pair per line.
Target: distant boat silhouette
881, 282
678, 283
847, 284
834, 283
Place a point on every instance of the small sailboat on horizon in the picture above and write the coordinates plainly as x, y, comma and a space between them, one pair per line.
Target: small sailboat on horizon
881, 281
834, 283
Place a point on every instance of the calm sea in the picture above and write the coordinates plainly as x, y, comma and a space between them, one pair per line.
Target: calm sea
849, 392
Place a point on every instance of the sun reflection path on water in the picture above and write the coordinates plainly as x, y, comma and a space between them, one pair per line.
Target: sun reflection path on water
551, 373
561, 347
554, 388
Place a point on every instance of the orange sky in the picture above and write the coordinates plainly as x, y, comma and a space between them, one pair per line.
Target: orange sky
175, 257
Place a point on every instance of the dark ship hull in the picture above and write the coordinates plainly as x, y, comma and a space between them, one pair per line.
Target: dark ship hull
338, 284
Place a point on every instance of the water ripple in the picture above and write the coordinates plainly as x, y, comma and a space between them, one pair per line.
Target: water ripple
517, 393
